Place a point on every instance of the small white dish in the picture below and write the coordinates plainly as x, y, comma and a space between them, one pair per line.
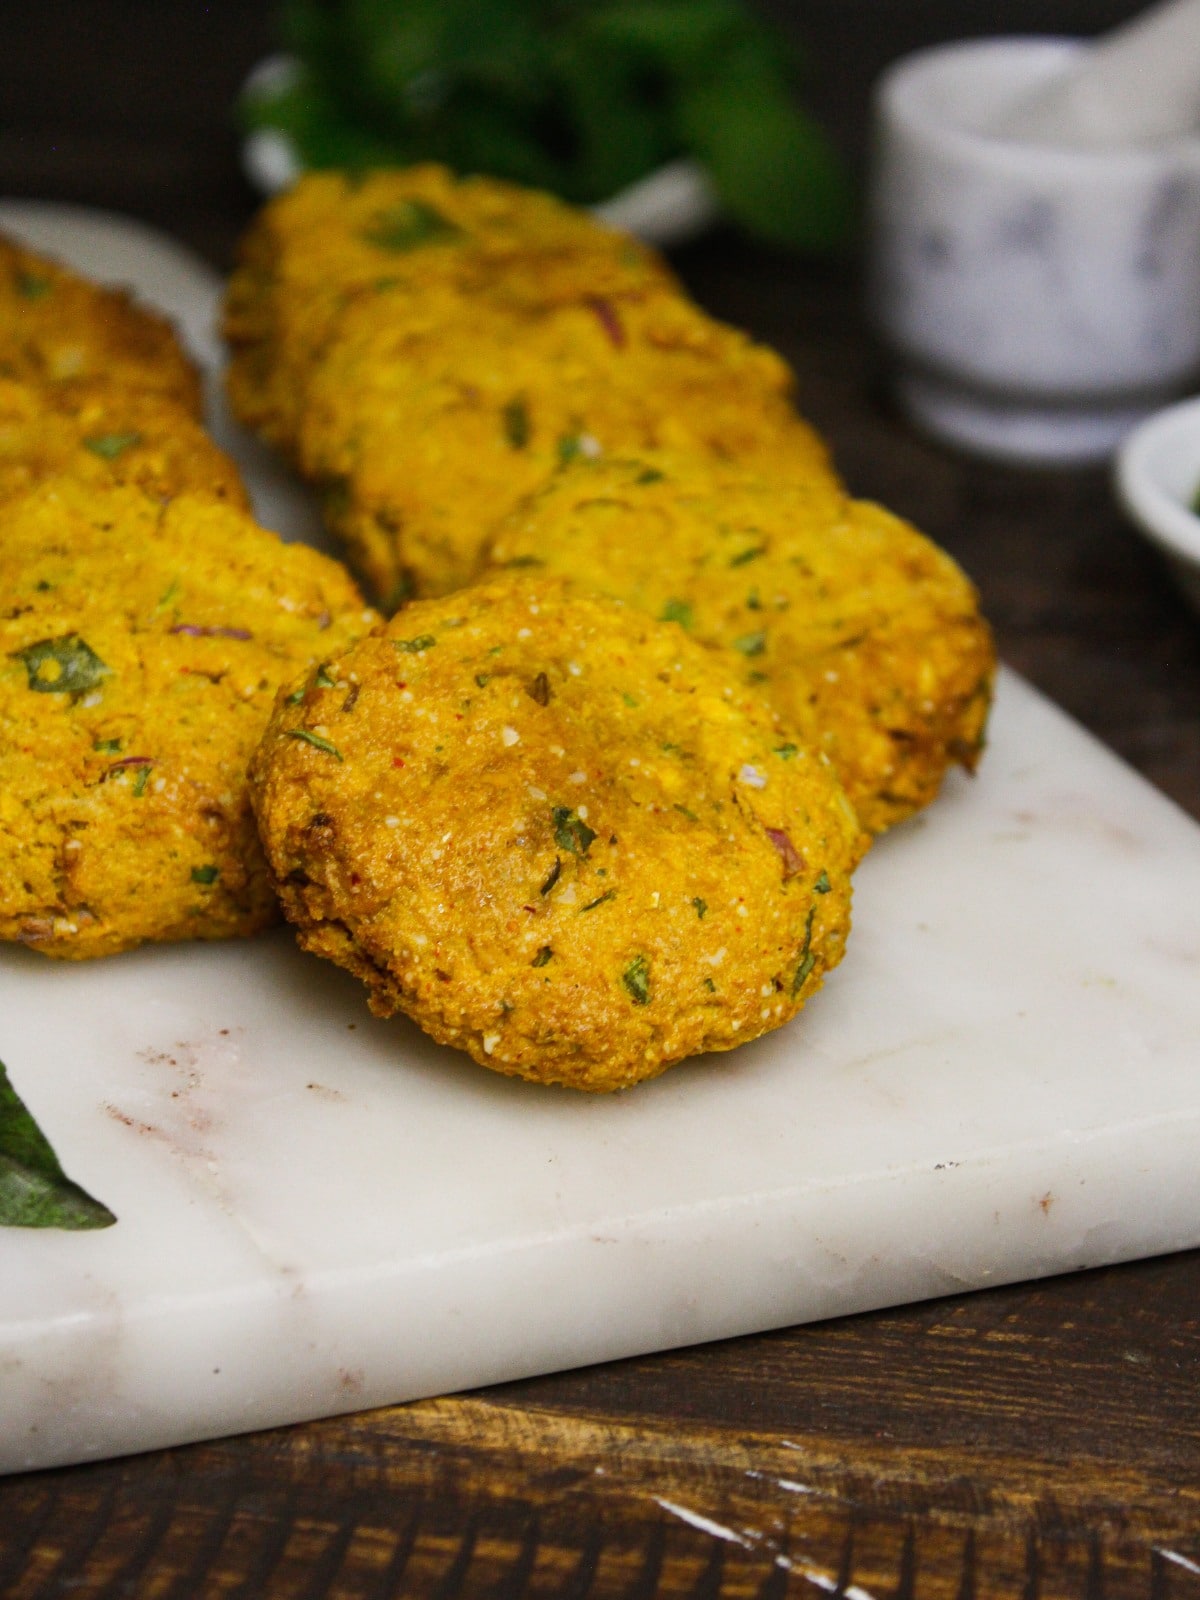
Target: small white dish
1157, 480
674, 203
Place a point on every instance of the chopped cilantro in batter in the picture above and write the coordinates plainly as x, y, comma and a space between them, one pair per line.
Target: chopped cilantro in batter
66, 665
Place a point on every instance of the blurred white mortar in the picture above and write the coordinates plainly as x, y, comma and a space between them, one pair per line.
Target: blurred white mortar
1037, 301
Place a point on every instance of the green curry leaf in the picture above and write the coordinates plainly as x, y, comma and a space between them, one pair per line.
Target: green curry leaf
35, 1192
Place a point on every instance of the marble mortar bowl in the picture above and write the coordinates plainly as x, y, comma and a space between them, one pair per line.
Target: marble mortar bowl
1036, 301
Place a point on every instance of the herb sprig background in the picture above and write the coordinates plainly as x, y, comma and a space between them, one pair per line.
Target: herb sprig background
582, 97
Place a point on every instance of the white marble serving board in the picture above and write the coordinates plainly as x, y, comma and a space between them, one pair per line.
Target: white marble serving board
320, 1211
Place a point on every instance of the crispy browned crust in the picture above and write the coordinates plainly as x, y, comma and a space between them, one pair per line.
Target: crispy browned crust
424, 434
141, 644
556, 834
409, 234
427, 349
57, 327
865, 636
508, 364
103, 434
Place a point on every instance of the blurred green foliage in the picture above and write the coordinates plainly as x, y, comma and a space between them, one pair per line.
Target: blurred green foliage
581, 97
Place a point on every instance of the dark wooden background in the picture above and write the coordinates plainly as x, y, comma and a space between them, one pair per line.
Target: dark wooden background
1036, 1441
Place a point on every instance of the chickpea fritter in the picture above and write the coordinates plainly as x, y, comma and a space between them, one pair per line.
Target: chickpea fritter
426, 349
865, 637
56, 327
141, 644
424, 431
103, 434
406, 234
556, 834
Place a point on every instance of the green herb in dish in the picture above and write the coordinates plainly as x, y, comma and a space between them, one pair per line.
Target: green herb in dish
582, 99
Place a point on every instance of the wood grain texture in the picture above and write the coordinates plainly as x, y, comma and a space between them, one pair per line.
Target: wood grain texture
1033, 1442
1040, 1440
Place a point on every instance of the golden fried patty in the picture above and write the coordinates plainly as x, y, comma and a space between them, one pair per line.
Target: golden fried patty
424, 429
864, 635
106, 434
141, 645
557, 834
57, 327
405, 234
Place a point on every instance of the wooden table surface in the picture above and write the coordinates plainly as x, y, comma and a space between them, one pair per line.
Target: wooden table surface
1036, 1441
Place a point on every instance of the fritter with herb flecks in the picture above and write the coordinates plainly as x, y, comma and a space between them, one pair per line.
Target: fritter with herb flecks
141, 645
57, 327
400, 236
557, 834
105, 434
424, 430
866, 638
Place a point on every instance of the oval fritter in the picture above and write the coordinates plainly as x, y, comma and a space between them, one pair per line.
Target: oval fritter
866, 638
57, 327
556, 834
425, 428
404, 234
105, 434
141, 644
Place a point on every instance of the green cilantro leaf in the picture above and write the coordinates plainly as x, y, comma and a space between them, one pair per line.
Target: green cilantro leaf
571, 832
636, 979
516, 423
317, 742
409, 224
679, 611
66, 665
108, 446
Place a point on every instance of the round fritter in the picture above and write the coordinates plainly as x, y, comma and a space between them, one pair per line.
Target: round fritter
405, 233
56, 327
424, 429
106, 434
141, 645
866, 637
554, 833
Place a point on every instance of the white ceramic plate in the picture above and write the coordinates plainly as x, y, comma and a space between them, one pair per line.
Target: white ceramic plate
1158, 479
